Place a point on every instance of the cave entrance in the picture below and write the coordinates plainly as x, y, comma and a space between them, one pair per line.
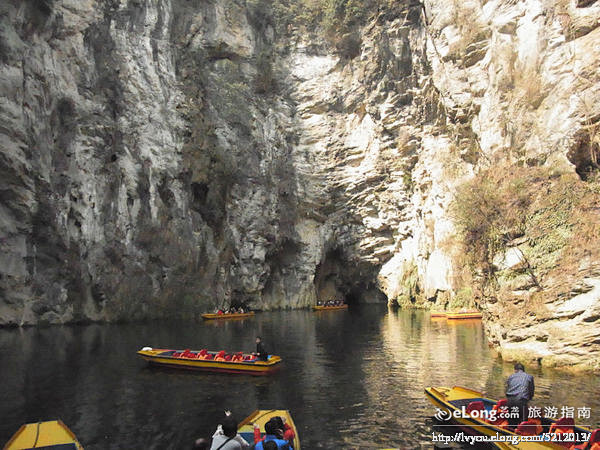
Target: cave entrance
341, 279
585, 152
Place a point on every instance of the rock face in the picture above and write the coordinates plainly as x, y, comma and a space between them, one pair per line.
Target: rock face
519, 82
165, 157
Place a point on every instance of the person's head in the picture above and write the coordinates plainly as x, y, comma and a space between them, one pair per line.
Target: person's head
270, 445
270, 427
519, 366
201, 444
258, 339
229, 427
278, 421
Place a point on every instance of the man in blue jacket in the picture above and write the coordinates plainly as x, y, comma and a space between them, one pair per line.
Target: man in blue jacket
519, 390
272, 435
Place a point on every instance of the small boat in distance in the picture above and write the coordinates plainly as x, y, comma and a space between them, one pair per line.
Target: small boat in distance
215, 316
464, 315
329, 308
210, 361
476, 415
51, 434
262, 416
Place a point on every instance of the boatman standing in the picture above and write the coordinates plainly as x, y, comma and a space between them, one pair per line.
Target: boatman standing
261, 353
519, 390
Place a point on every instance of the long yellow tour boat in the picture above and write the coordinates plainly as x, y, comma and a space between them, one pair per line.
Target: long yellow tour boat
477, 415
53, 434
329, 308
224, 316
261, 417
210, 361
464, 315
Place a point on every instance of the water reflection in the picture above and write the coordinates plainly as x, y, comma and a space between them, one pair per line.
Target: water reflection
352, 379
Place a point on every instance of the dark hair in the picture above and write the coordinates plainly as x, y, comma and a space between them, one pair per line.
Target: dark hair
229, 427
278, 421
269, 445
271, 427
258, 337
519, 366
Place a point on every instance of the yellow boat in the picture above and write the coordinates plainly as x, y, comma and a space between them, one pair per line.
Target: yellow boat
438, 314
262, 416
464, 315
329, 308
53, 434
468, 409
227, 316
210, 361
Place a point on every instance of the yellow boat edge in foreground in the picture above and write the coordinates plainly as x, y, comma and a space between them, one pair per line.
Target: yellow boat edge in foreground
42, 434
441, 397
262, 416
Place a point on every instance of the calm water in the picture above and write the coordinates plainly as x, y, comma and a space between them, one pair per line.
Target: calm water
352, 379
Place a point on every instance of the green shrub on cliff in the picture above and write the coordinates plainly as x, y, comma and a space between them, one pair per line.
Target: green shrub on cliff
551, 220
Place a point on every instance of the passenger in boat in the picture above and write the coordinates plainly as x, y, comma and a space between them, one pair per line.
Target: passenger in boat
284, 430
261, 352
288, 432
519, 391
272, 434
226, 436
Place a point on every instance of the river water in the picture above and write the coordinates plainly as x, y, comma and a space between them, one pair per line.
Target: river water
351, 379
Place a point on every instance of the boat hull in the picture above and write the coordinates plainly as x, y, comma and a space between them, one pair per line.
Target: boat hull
448, 398
329, 308
227, 316
462, 316
43, 434
159, 358
262, 416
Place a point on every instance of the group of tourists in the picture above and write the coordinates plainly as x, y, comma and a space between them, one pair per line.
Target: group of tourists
260, 354
332, 302
232, 310
278, 435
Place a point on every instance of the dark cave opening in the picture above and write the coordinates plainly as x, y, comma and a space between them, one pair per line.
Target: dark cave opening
342, 278
585, 153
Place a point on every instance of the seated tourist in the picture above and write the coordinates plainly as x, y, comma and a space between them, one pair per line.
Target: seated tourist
226, 436
273, 434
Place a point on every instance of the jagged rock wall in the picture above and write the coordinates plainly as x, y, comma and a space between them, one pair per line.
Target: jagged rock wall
142, 175
165, 157
520, 88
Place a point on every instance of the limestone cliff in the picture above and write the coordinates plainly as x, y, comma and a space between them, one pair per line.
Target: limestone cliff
164, 157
